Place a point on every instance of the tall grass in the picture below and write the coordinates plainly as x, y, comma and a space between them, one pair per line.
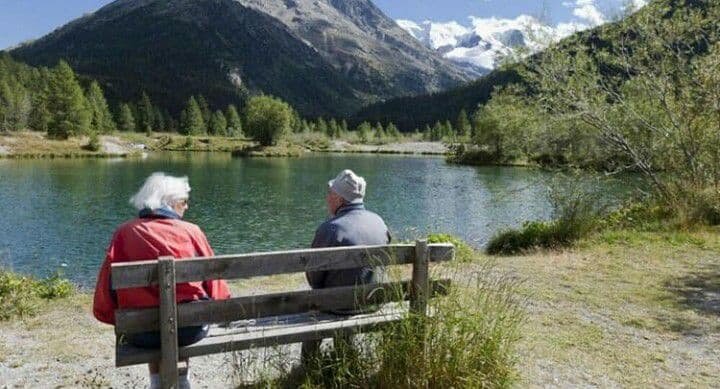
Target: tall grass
22, 296
467, 341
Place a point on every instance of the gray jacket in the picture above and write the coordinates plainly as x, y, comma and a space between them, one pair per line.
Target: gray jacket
352, 225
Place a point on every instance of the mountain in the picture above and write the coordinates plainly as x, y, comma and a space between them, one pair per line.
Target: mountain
410, 113
482, 46
325, 57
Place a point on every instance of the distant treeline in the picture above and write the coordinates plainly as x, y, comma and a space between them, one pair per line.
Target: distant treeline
62, 104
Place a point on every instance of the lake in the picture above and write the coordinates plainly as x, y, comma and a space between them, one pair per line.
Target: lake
60, 214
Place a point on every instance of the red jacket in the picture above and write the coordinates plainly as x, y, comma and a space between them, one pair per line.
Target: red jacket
146, 239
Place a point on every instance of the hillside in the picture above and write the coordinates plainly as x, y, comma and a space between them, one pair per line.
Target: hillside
415, 112
305, 52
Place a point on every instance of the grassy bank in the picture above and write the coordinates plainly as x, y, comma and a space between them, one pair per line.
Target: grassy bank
29, 145
621, 308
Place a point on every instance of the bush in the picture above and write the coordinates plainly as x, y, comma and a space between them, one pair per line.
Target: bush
93, 144
463, 251
22, 296
576, 213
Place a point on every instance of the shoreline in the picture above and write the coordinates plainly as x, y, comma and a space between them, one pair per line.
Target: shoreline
34, 145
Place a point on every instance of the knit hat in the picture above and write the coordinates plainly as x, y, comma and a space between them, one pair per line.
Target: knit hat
349, 186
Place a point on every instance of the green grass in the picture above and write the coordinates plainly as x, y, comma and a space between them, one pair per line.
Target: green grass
23, 296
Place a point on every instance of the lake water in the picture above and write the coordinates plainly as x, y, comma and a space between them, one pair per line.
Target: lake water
62, 213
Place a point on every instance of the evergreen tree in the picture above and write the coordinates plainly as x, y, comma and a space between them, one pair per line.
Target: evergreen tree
40, 115
145, 114
462, 126
101, 121
204, 109
332, 129
15, 106
321, 126
344, 126
192, 122
364, 130
436, 133
393, 131
379, 131
126, 120
67, 104
159, 118
448, 131
218, 124
234, 123
427, 133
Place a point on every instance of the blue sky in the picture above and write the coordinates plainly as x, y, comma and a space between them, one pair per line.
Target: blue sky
21, 20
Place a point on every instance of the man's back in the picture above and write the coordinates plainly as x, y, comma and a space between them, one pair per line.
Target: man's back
353, 225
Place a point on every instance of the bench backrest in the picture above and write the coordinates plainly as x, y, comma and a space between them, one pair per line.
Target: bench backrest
166, 272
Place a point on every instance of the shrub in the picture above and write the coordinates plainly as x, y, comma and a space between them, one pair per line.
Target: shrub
22, 296
463, 251
94, 143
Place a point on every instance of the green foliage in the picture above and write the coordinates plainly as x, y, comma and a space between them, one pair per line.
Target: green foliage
146, 115
204, 109
218, 124
463, 251
22, 296
70, 112
101, 121
191, 119
126, 120
462, 124
364, 131
234, 123
93, 143
268, 119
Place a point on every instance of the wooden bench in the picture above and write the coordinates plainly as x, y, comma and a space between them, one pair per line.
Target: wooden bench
309, 304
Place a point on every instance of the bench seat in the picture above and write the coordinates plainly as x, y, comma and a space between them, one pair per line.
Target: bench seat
270, 331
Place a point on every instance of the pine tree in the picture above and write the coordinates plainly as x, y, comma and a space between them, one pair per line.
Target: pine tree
462, 126
448, 131
67, 104
160, 120
393, 131
321, 126
218, 124
427, 133
379, 131
40, 115
192, 122
145, 114
101, 121
126, 120
332, 129
234, 123
204, 109
364, 130
436, 133
15, 106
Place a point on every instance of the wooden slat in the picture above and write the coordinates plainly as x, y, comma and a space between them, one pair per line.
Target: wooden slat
144, 273
420, 280
251, 307
128, 355
168, 327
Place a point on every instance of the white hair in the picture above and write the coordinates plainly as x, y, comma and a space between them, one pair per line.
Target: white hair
161, 190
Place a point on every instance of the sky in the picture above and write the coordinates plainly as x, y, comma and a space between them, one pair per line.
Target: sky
22, 20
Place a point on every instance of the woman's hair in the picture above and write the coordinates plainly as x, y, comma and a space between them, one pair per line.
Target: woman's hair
160, 191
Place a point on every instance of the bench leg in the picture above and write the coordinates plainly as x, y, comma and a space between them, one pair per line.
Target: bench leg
310, 351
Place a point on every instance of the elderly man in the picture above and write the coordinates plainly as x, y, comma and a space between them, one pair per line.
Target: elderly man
350, 224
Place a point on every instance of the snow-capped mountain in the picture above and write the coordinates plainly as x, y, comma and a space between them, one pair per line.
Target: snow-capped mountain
487, 41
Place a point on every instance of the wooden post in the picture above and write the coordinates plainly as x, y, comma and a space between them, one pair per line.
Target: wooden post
420, 280
168, 323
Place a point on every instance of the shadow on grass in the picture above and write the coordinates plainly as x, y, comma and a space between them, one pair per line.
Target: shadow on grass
698, 291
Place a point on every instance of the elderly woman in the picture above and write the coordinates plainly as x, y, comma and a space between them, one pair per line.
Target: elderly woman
158, 231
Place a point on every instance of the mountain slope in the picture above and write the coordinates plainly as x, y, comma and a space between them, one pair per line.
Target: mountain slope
415, 112
227, 49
